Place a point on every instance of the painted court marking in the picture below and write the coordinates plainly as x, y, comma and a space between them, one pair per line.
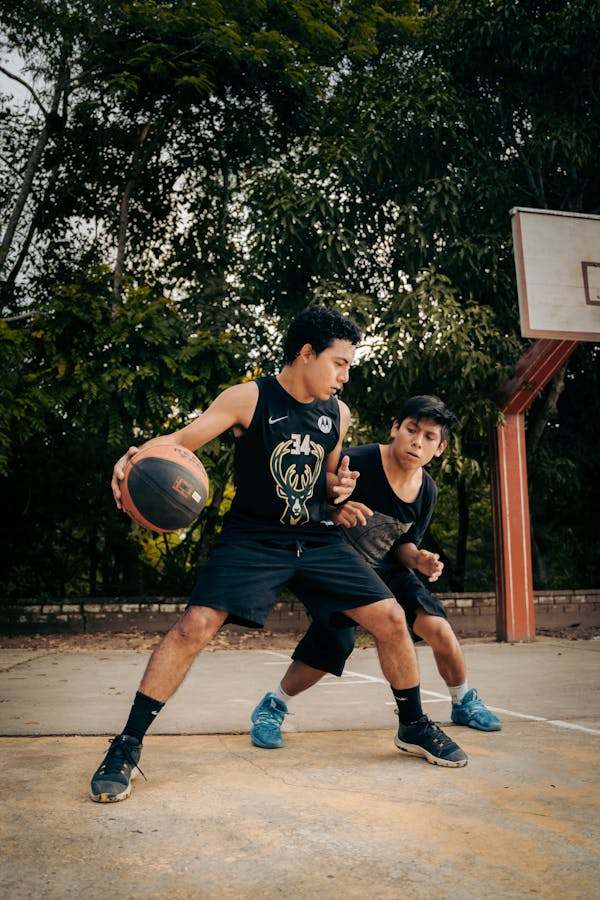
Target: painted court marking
350, 677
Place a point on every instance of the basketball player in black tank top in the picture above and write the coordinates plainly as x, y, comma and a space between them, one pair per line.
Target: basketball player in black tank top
275, 535
279, 468
386, 520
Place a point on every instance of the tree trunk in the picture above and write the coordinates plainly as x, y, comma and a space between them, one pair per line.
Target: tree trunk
542, 571
547, 409
93, 559
52, 123
23, 195
463, 533
36, 222
142, 154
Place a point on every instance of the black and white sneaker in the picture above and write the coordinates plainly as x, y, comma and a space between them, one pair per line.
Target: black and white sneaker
112, 779
426, 739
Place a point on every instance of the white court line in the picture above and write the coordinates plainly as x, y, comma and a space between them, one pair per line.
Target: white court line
571, 725
436, 700
498, 709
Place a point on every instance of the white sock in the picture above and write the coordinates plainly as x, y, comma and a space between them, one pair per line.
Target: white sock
281, 695
457, 693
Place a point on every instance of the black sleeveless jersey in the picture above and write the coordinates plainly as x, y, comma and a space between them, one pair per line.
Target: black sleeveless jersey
280, 463
394, 520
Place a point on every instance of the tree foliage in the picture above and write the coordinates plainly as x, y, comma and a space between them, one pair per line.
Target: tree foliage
181, 178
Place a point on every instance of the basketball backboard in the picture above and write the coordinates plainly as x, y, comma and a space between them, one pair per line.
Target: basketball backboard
557, 260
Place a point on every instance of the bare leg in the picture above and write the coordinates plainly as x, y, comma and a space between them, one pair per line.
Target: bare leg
386, 621
165, 671
171, 660
449, 658
299, 677
417, 734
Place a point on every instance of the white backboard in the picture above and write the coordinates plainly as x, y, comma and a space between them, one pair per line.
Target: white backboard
557, 260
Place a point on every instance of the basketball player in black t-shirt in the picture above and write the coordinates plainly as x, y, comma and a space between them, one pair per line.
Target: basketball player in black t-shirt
386, 520
289, 430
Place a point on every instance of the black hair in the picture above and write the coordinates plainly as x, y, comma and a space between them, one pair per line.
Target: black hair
427, 406
318, 326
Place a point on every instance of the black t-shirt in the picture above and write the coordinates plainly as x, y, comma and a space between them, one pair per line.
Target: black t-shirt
393, 520
280, 464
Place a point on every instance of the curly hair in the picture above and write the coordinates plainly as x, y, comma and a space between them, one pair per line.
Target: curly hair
318, 326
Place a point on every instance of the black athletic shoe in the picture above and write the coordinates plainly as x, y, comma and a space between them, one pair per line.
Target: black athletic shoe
112, 780
426, 739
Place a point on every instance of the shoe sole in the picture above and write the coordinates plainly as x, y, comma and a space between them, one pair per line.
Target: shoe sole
473, 725
422, 753
115, 798
258, 743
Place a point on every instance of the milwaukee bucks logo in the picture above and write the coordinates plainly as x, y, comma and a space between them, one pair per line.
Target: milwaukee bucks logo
295, 487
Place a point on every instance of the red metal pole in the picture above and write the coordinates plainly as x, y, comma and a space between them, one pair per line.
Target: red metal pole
515, 615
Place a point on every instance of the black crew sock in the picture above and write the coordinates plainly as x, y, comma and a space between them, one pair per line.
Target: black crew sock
143, 712
409, 704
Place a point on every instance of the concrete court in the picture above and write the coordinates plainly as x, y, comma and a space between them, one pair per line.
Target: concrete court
338, 813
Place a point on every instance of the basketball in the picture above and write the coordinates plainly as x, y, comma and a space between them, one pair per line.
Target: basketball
165, 488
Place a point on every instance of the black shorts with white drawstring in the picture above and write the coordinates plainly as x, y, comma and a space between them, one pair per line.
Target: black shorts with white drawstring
246, 576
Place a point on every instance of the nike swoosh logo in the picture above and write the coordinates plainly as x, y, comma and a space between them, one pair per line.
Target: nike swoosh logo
280, 419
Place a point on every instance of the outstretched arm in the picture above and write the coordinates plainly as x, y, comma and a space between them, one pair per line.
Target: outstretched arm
234, 406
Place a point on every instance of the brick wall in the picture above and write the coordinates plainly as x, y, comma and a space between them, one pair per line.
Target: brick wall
471, 614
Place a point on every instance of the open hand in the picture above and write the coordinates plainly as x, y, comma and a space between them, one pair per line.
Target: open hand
344, 482
430, 564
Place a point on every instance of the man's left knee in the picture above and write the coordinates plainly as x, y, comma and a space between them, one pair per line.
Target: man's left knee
434, 629
389, 621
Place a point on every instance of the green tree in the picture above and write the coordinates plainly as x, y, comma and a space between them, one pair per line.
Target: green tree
164, 109
101, 384
448, 131
220, 165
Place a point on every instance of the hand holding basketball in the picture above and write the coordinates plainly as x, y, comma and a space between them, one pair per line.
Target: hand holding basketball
119, 474
162, 487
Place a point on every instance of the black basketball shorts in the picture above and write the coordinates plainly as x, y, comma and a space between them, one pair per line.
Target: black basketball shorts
327, 646
245, 577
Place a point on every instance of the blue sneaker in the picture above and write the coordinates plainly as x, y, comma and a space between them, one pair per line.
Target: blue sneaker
474, 713
267, 719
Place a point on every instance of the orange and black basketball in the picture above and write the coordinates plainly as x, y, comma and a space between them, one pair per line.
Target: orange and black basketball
165, 488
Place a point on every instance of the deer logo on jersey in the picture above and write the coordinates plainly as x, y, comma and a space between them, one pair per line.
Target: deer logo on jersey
295, 487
